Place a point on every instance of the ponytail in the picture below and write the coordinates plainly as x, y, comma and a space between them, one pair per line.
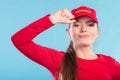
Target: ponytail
69, 64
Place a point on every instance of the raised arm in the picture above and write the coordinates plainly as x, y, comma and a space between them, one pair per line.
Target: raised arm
47, 57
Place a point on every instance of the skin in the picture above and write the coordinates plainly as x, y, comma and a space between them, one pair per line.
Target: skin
83, 32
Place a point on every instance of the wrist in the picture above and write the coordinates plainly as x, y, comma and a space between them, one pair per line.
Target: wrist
52, 19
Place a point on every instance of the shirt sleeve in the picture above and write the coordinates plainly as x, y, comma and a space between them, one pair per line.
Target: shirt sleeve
49, 58
117, 70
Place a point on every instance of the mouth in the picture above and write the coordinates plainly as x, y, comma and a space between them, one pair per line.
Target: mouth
83, 36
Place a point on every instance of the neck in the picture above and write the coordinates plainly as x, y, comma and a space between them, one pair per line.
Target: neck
85, 52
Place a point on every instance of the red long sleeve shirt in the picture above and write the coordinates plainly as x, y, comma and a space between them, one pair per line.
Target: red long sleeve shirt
102, 68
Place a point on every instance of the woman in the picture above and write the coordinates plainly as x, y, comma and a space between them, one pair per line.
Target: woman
79, 62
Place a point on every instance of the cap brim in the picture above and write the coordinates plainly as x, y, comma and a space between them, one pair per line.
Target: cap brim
86, 14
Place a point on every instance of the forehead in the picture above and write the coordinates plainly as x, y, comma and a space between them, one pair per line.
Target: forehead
84, 18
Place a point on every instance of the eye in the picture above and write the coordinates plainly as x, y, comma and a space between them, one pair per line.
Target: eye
76, 25
91, 24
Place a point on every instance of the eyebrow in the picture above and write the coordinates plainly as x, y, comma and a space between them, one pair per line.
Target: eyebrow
90, 21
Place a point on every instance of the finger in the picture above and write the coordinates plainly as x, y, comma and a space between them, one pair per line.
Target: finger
63, 12
71, 17
68, 14
69, 21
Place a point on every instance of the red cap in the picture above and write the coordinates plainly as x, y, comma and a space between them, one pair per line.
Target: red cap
84, 10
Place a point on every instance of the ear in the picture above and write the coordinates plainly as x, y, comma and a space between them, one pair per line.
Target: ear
98, 33
68, 32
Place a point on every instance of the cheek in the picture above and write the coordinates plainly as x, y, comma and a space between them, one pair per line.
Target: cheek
73, 33
94, 34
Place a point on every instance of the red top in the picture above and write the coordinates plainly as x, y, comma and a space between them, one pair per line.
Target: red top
102, 68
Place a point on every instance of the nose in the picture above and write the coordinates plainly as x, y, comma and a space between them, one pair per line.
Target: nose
83, 28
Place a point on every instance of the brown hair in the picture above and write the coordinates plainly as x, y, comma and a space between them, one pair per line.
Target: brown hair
69, 64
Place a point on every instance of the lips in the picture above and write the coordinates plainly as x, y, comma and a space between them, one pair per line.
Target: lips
83, 36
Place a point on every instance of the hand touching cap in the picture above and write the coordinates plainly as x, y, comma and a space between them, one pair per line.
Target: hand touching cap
62, 16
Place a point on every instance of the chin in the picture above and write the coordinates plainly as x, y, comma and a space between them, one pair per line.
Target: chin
85, 44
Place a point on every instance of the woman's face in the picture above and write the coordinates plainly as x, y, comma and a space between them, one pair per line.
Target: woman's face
83, 32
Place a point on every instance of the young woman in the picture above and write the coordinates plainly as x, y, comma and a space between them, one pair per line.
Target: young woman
79, 62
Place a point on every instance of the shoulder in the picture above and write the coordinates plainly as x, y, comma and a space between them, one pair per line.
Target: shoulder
112, 63
108, 59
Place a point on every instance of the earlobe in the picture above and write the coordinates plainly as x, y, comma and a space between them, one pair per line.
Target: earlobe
97, 35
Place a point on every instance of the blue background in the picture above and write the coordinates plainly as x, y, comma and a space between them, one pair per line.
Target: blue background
15, 14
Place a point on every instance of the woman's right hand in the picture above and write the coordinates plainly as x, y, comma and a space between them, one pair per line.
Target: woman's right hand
62, 16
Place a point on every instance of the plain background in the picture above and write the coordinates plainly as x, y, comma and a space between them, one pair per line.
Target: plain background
15, 14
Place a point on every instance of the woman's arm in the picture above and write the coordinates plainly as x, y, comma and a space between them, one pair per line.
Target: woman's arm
47, 57
42, 55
